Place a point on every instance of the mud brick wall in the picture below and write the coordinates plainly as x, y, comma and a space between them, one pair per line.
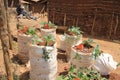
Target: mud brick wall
94, 17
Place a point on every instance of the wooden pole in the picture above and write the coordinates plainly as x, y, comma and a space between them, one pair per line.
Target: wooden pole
53, 17
110, 30
93, 25
8, 26
65, 17
73, 21
77, 21
5, 40
116, 26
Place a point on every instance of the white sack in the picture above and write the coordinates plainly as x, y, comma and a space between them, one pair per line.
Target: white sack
105, 63
52, 32
82, 60
61, 42
41, 69
71, 41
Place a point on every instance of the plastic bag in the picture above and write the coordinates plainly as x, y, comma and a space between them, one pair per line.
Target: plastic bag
105, 63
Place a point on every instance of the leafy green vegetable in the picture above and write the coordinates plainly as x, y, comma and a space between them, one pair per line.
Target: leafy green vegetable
83, 73
31, 31
88, 42
75, 30
48, 38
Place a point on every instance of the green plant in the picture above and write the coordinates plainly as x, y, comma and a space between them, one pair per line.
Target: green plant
74, 30
48, 38
47, 25
45, 54
81, 74
36, 39
87, 43
27, 30
31, 31
15, 77
96, 52
77, 56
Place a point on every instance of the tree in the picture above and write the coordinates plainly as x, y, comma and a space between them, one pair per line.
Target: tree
5, 39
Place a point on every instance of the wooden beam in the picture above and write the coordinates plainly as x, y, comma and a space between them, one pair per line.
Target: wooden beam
116, 25
65, 18
111, 25
93, 25
8, 26
5, 40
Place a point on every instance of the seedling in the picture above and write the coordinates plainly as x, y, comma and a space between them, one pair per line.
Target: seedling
48, 25
82, 74
74, 31
27, 30
96, 52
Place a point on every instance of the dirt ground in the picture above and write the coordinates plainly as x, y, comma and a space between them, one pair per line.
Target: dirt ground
111, 47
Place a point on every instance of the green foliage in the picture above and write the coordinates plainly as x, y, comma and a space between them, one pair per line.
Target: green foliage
88, 42
77, 56
15, 77
44, 23
84, 74
45, 54
31, 31
75, 30
96, 52
50, 24
36, 39
20, 27
48, 38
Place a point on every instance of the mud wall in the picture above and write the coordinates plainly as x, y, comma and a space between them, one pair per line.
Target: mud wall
95, 17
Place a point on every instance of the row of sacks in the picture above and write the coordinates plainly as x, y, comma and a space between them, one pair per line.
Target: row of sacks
103, 63
43, 59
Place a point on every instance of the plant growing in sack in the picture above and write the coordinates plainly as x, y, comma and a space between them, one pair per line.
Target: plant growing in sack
83, 54
46, 41
26, 30
48, 25
74, 31
48, 28
25, 35
43, 58
73, 36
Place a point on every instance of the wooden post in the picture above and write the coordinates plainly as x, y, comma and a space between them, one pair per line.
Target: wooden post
8, 26
110, 30
93, 25
65, 17
116, 26
73, 21
77, 21
5, 40
53, 17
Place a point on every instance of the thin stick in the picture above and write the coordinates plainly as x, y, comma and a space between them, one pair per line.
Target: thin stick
65, 17
93, 25
8, 26
110, 30
116, 26
77, 21
53, 17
